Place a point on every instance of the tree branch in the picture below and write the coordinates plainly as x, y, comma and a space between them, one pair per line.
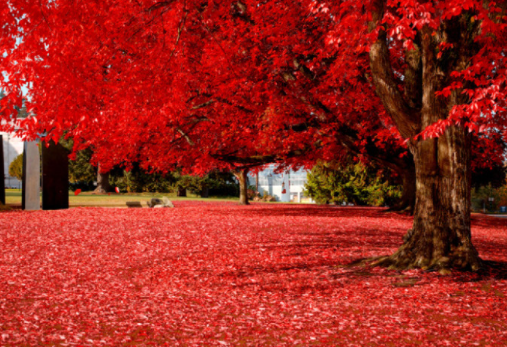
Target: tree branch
158, 5
405, 118
189, 140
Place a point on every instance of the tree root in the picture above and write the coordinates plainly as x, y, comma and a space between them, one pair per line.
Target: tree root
403, 209
444, 265
403, 206
430, 255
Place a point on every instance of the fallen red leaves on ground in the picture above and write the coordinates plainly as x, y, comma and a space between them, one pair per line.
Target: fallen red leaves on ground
223, 274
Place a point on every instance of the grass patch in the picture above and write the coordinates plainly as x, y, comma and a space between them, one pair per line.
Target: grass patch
88, 199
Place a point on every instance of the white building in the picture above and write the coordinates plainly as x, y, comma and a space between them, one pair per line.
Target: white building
286, 186
13, 146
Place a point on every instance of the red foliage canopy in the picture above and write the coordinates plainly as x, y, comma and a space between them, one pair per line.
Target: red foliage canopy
205, 84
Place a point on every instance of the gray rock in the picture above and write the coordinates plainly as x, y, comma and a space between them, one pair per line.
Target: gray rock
159, 203
167, 202
153, 202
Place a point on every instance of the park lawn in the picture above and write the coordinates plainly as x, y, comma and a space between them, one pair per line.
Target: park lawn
222, 274
87, 199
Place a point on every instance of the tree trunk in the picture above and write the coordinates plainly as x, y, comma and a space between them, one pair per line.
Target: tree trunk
181, 192
242, 176
407, 200
440, 238
103, 186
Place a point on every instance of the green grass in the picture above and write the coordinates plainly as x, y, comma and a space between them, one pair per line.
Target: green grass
13, 197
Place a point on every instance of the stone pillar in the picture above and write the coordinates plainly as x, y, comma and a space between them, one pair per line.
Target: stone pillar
30, 197
2, 171
55, 177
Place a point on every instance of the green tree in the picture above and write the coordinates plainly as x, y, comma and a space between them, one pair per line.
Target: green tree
80, 169
336, 182
82, 173
16, 167
137, 180
196, 184
215, 183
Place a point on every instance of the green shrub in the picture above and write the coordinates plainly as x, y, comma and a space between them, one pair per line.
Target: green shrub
336, 182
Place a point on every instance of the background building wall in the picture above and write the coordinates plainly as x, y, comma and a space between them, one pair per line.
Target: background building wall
274, 184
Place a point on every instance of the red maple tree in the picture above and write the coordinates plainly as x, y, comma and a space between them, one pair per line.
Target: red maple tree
234, 84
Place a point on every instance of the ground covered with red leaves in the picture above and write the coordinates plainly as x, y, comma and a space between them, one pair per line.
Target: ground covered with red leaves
223, 274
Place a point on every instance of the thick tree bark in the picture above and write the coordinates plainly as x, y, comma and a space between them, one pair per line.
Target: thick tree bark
103, 186
242, 176
440, 238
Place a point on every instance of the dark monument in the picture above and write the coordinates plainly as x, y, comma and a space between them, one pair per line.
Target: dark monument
55, 177
2, 172
30, 196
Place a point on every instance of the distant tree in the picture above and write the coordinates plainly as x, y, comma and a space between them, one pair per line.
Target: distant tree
488, 167
222, 183
336, 182
217, 182
494, 176
82, 173
137, 180
16, 167
103, 185
80, 169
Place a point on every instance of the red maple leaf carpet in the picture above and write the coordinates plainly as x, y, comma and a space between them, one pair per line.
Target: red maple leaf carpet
223, 274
